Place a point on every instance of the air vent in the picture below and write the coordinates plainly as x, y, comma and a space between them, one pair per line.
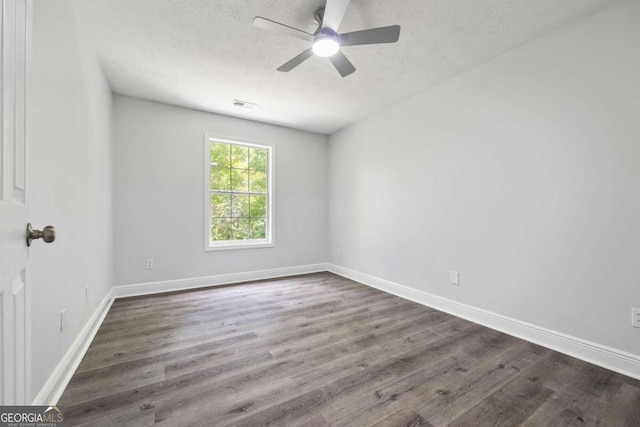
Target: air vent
244, 104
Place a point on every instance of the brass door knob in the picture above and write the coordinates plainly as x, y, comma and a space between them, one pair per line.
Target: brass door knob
48, 234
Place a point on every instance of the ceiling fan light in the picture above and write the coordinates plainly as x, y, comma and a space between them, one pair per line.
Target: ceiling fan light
325, 46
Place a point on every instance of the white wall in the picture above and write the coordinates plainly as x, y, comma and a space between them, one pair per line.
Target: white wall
71, 182
523, 174
159, 194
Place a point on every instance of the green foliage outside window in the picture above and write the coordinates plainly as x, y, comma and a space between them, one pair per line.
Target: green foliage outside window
238, 192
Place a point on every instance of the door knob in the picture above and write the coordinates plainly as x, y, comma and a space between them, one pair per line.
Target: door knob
48, 234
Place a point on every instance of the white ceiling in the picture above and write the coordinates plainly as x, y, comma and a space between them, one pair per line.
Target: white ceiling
203, 54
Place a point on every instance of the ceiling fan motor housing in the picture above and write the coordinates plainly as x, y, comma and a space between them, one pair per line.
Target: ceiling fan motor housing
325, 33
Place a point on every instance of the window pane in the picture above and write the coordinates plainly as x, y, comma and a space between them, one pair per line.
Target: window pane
220, 179
240, 229
220, 229
258, 229
236, 170
220, 205
258, 159
257, 182
240, 206
220, 154
258, 206
239, 180
239, 157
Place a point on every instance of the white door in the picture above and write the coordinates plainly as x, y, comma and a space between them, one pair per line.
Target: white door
15, 342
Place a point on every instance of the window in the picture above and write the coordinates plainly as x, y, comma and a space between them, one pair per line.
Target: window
238, 194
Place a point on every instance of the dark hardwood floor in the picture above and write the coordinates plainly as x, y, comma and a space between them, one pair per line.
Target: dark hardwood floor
321, 350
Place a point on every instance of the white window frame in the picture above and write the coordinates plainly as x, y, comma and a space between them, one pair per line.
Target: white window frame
269, 241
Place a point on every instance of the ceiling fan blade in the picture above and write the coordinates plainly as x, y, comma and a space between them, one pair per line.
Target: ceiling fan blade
267, 24
334, 11
389, 34
342, 64
296, 61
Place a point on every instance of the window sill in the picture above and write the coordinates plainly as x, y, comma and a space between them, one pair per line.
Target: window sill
234, 246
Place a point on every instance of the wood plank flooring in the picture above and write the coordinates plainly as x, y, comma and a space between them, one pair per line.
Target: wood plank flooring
321, 350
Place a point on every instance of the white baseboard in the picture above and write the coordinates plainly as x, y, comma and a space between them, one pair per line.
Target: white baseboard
609, 358
222, 279
616, 360
57, 382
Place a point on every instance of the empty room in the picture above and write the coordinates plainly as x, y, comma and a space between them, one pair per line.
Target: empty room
320, 213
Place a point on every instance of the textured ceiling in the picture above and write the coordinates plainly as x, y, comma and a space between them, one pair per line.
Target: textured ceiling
203, 54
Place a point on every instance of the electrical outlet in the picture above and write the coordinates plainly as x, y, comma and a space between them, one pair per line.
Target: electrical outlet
635, 317
454, 277
149, 264
63, 320
339, 253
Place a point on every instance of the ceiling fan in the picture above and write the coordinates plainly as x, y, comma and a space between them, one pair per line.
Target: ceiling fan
326, 42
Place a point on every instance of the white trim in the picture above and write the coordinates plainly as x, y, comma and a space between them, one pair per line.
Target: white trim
243, 244
268, 242
207, 281
27, 192
609, 358
57, 382
62, 374
616, 360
